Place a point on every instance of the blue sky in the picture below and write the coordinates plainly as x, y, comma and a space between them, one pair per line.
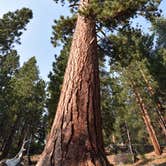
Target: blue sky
36, 40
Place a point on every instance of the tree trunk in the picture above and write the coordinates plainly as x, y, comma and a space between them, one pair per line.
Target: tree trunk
28, 151
9, 140
159, 109
22, 135
147, 122
131, 148
76, 136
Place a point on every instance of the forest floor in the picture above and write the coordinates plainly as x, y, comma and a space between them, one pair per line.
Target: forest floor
149, 159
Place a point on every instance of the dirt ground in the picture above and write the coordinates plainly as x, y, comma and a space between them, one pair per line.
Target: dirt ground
149, 159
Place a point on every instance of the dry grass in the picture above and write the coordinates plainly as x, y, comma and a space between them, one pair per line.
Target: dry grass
149, 159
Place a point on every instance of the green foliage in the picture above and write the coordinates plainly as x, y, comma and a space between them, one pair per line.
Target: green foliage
11, 26
159, 27
56, 79
24, 80
8, 67
107, 110
29, 90
22, 92
63, 30
134, 53
157, 60
109, 15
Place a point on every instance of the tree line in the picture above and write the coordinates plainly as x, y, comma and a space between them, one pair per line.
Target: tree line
22, 91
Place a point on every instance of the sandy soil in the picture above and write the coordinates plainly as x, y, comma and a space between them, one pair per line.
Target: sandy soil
149, 159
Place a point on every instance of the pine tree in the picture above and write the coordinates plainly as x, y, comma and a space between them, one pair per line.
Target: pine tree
8, 67
78, 117
22, 92
11, 26
76, 136
29, 90
27, 111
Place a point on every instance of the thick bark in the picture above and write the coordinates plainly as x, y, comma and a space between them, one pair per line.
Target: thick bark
76, 136
159, 109
147, 121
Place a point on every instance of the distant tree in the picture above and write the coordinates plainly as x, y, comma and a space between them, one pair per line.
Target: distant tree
12, 25
22, 92
27, 111
159, 29
157, 60
9, 65
133, 50
29, 90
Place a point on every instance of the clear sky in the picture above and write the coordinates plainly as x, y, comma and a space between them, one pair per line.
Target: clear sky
36, 40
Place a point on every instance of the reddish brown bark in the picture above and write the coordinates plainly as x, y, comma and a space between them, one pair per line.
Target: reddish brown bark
76, 136
147, 121
159, 109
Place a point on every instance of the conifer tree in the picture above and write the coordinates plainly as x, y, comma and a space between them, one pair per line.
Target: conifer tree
22, 92
27, 111
76, 136
12, 25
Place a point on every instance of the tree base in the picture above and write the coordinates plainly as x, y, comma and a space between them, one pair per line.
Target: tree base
89, 160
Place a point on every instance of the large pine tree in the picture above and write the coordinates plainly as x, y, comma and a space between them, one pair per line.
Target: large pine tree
76, 137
